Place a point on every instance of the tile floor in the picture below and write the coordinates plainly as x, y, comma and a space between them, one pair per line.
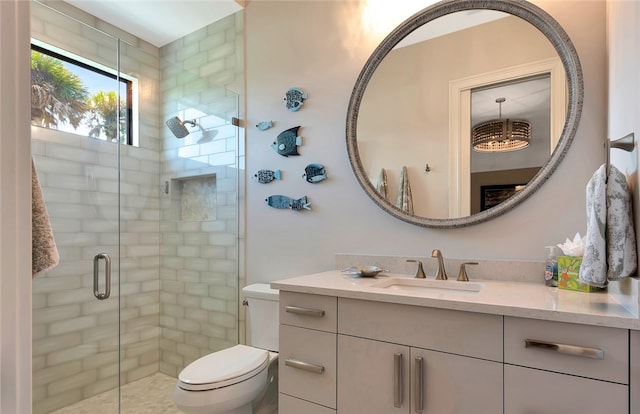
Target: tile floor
149, 395
154, 395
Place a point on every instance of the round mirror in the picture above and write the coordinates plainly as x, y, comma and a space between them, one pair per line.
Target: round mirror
463, 111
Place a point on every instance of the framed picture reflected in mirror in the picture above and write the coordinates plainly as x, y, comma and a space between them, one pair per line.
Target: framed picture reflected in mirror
492, 195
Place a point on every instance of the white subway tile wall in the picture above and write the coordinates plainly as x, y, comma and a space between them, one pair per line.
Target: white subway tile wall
199, 261
178, 280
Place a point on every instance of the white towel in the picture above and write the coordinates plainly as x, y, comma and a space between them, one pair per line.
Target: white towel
405, 199
610, 252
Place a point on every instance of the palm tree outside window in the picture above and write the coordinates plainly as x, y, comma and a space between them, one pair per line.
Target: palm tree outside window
73, 96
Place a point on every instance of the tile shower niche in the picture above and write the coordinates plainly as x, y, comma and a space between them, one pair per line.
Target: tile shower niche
193, 198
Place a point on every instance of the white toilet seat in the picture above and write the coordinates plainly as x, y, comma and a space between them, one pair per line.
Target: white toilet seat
223, 368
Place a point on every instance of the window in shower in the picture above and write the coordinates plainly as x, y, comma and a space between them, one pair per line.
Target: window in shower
73, 94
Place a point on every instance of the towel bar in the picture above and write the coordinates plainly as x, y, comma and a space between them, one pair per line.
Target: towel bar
626, 143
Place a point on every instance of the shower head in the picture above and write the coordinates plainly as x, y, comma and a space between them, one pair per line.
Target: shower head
180, 130
177, 126
207, 136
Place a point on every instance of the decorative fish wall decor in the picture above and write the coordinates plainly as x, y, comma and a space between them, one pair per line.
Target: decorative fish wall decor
314, 173
266, 176
294, 98
287, 142
281, 201
264, 125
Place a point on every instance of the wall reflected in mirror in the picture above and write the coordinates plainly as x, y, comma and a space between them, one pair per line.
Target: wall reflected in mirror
379, 17
406, 112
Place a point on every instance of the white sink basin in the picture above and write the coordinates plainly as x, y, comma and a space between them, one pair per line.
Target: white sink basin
428, 285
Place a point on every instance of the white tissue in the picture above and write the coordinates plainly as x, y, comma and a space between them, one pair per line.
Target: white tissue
574, 247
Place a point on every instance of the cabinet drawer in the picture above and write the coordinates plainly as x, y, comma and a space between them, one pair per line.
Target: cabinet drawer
464, 333
291, 405
530, 390
308, 311
602, 353
307, 365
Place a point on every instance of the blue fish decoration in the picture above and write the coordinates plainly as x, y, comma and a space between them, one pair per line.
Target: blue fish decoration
287, 142
294, 98
266, 176
264, 125
281, 201
314, 173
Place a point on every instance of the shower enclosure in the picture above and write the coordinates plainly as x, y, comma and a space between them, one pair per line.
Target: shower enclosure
163, 212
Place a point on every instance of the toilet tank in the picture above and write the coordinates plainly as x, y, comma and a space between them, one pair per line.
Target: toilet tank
262, 304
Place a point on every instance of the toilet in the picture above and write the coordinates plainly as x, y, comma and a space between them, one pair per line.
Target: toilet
228, 381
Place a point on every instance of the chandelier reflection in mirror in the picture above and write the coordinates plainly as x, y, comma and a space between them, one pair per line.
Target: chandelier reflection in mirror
501, 135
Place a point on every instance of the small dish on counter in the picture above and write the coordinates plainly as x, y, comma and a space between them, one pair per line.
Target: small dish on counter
364, 271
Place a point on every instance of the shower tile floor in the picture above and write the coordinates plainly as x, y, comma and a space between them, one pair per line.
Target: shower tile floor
149, 395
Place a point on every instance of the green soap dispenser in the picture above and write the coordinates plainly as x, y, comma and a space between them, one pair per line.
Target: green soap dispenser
551, 268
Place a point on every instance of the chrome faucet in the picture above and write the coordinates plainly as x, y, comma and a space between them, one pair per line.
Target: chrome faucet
442, 272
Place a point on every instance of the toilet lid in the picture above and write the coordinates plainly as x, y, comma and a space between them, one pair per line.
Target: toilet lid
223, 368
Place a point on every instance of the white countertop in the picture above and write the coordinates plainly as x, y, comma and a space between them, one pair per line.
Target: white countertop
526, 300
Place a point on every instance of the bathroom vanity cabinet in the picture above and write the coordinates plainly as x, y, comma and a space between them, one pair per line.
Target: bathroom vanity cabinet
380, 378
403, 359
386, 358
344, 355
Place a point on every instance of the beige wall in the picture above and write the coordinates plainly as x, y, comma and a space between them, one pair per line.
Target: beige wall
288, 46
624, 117
321, 47
624, 86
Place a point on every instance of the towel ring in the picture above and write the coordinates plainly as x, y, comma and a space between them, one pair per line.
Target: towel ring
626, 143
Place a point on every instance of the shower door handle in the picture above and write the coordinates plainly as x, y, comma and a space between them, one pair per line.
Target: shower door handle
107, 276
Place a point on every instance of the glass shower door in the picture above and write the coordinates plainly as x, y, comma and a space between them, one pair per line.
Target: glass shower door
76, 305
132, 198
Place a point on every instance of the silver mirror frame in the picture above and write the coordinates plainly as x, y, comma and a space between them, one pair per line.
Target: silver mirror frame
520, 8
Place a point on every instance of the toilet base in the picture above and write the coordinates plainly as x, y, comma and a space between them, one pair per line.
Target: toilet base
267, 402
249, 395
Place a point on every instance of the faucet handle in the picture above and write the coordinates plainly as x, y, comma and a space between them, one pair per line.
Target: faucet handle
420, 272
462, 275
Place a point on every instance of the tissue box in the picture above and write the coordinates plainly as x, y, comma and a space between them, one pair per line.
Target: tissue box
568, 269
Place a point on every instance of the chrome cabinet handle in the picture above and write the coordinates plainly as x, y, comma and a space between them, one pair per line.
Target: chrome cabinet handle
107, 276
397, 380
305, 366
419, 384
583, 351
318, 313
